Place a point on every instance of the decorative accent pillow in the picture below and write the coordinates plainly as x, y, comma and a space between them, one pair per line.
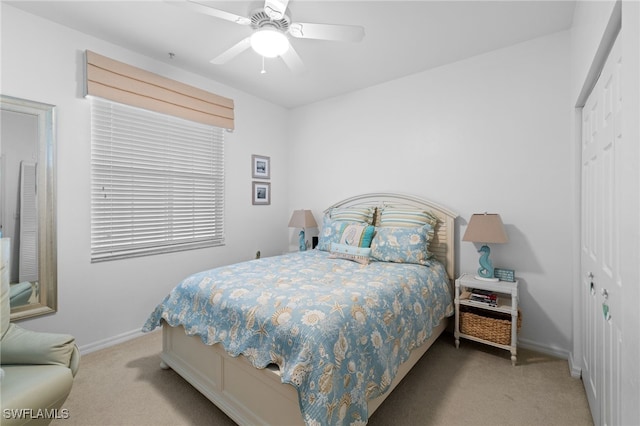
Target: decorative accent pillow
349, 233
353, 214
397, 216
361, 255
401, 244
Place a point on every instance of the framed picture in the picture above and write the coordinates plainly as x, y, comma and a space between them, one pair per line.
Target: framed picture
504, 274
260, 167
261, 193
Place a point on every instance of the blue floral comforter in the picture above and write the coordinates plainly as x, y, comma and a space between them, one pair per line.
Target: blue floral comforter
338, 330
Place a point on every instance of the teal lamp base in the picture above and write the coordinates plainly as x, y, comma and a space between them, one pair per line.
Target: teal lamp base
485, 271
302, 244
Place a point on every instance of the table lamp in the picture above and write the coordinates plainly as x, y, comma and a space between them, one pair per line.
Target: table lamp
485, 228
302, 219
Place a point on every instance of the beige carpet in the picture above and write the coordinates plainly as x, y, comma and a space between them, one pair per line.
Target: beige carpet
473, 385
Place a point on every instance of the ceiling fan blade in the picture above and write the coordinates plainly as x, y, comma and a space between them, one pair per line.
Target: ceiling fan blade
232, 52
275, 9
216, 13
326, 31
292, 60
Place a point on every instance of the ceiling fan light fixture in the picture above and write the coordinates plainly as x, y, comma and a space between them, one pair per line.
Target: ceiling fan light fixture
269, 42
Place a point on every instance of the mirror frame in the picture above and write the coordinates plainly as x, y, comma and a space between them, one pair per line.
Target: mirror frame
47, 242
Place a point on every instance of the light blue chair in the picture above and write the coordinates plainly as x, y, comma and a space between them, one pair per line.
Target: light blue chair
37, 368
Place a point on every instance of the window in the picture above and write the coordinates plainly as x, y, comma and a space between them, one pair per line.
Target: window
157, 182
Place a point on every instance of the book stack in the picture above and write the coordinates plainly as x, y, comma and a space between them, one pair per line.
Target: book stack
483, 296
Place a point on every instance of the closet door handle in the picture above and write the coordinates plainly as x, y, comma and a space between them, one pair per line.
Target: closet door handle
592, 286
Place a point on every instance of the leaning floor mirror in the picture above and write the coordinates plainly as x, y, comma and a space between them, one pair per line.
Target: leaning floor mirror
27, 205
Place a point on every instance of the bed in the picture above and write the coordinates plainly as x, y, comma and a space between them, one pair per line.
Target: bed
322, 336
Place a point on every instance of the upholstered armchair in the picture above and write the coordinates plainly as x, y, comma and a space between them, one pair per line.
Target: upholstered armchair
37, 368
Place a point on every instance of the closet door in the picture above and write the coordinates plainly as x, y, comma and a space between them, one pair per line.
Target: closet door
602, 287
28, 258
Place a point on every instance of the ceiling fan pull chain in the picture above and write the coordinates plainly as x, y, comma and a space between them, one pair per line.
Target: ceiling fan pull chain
263, 70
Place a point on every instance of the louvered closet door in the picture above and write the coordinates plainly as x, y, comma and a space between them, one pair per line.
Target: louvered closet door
602, 287
28, 259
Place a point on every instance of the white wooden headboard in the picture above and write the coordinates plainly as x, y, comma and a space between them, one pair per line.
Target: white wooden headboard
443, 244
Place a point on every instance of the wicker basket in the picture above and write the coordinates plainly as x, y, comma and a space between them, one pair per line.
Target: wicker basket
488, 325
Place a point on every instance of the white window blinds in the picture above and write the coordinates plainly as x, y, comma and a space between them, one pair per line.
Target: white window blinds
157, 182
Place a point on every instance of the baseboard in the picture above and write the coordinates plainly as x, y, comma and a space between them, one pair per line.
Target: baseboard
574, 369
549, 350
111, 341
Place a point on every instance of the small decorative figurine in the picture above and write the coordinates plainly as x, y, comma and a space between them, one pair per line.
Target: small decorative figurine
302, 243
486, 267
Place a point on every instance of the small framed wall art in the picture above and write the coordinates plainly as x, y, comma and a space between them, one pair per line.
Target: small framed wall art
261, 193
260, 167
504, 274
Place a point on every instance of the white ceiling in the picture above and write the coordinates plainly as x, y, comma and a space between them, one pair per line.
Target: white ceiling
401, 38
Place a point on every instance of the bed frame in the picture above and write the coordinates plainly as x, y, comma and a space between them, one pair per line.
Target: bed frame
253, 396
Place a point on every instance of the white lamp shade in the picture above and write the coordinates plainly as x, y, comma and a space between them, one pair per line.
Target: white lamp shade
485, 228
302, 219
269, 42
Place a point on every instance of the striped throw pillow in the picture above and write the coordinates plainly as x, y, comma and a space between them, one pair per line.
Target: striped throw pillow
353, 214
404, 217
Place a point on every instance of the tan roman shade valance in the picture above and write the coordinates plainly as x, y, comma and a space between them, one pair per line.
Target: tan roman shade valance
119, 82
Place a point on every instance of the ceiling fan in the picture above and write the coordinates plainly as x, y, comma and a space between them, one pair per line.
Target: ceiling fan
272, 27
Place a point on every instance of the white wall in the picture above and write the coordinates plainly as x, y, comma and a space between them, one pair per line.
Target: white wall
630, 241
490, 133
101, 303
590, 21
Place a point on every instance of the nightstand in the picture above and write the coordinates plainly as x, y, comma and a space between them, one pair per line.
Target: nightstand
482, 322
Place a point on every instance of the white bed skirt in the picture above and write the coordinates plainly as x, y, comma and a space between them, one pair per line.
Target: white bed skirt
248, 395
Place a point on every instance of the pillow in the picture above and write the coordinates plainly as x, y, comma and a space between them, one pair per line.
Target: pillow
401, 245
350, 233
361, 255
353, 214
396, 216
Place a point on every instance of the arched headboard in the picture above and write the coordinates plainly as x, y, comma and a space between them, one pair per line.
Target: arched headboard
443, 243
